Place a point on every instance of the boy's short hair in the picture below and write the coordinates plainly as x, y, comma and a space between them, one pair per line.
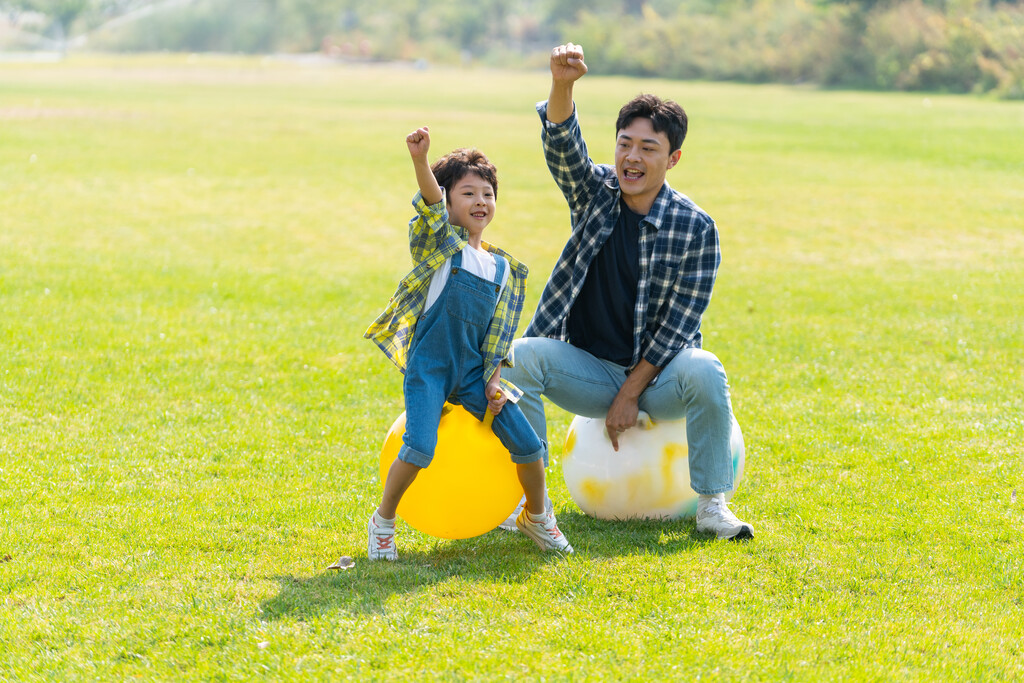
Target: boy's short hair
450, 168
666, 117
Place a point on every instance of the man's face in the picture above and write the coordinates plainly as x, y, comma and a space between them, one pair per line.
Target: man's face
642, 158
471, 203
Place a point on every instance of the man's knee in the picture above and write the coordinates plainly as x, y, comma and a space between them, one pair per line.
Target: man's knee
701, 372
527, 359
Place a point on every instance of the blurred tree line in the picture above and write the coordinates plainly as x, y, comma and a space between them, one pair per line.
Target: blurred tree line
935, 45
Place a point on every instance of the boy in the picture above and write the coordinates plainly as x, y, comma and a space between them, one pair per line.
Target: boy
448, 327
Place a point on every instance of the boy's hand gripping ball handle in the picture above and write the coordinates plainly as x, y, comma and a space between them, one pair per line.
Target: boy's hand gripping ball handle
488, 415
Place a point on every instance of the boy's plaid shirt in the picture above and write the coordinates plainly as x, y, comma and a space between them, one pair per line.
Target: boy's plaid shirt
432, 241
679, 252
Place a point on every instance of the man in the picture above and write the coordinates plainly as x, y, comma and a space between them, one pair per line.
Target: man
617, 329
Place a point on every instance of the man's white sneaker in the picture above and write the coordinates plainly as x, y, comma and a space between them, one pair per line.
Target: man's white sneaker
545, 534
715, 517
510, 523
380, 544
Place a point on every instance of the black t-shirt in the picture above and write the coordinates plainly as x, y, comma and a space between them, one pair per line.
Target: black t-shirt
601, 318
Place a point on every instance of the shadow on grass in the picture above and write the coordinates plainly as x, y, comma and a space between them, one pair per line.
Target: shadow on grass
495, 557
602, 538
366, 587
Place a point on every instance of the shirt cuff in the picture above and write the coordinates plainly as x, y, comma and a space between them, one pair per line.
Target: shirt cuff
556, 129
657, 355
432, 210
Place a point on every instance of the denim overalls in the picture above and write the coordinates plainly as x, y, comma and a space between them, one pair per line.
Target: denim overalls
446, 364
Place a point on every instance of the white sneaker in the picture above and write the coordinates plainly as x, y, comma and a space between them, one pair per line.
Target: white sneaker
510, 523
545, 534
715, 517
380, 544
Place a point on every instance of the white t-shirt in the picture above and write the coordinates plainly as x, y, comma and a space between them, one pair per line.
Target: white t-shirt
479, 262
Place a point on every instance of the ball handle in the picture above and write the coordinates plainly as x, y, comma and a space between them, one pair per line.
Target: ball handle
488, 415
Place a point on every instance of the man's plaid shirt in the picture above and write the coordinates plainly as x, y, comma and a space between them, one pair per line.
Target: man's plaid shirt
432, 241
679, 252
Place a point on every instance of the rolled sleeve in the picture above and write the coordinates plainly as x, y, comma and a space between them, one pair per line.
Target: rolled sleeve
554, 130
678, 324
429, 230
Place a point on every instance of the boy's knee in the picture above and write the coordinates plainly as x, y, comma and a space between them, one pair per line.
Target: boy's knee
541, 454
412, 456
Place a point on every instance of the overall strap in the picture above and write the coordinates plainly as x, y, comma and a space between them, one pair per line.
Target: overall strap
457, 259
499, 269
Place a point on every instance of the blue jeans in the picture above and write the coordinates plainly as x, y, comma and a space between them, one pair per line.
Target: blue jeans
692, 386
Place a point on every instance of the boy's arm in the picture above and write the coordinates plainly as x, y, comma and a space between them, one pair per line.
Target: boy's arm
430, 231
419, 144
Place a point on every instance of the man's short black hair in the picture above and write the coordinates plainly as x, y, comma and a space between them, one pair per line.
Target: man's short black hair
666, 117
451, 168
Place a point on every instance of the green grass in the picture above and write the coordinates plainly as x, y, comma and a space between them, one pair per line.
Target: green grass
190, 419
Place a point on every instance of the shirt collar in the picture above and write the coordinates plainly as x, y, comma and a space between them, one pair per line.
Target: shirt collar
659, 208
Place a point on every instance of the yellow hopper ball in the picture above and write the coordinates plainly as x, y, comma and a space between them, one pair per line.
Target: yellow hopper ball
647, 478
469, 488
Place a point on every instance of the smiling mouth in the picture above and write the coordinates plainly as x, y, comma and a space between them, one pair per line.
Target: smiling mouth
478, 214
631, 174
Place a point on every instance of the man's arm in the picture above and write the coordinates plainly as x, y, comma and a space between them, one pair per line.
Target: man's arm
567, 67
624, 409
689, 296
419, 144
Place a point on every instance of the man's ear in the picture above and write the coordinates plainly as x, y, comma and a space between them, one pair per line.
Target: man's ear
674, 157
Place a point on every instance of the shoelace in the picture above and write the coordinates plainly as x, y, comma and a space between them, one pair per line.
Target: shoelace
718, 507
551, 527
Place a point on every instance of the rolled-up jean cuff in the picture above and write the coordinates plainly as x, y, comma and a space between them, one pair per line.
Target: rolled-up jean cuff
711, 492
540, 454
413, 456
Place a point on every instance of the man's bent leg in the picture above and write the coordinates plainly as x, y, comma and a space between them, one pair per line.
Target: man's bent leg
572, 379
694, 385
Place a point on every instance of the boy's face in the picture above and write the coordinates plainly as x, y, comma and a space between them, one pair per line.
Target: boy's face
642, 158
471, 203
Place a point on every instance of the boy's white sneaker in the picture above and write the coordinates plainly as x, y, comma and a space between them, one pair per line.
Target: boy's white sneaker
545, 534
380, 544
715, 517
510, 523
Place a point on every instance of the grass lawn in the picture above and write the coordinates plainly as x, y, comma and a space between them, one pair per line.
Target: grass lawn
190, 421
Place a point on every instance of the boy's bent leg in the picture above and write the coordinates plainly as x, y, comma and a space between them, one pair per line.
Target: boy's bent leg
542, 527
534, 519
529, 454
380, 543
424, 401
571, 378
400, 477
518, 436
532, 478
